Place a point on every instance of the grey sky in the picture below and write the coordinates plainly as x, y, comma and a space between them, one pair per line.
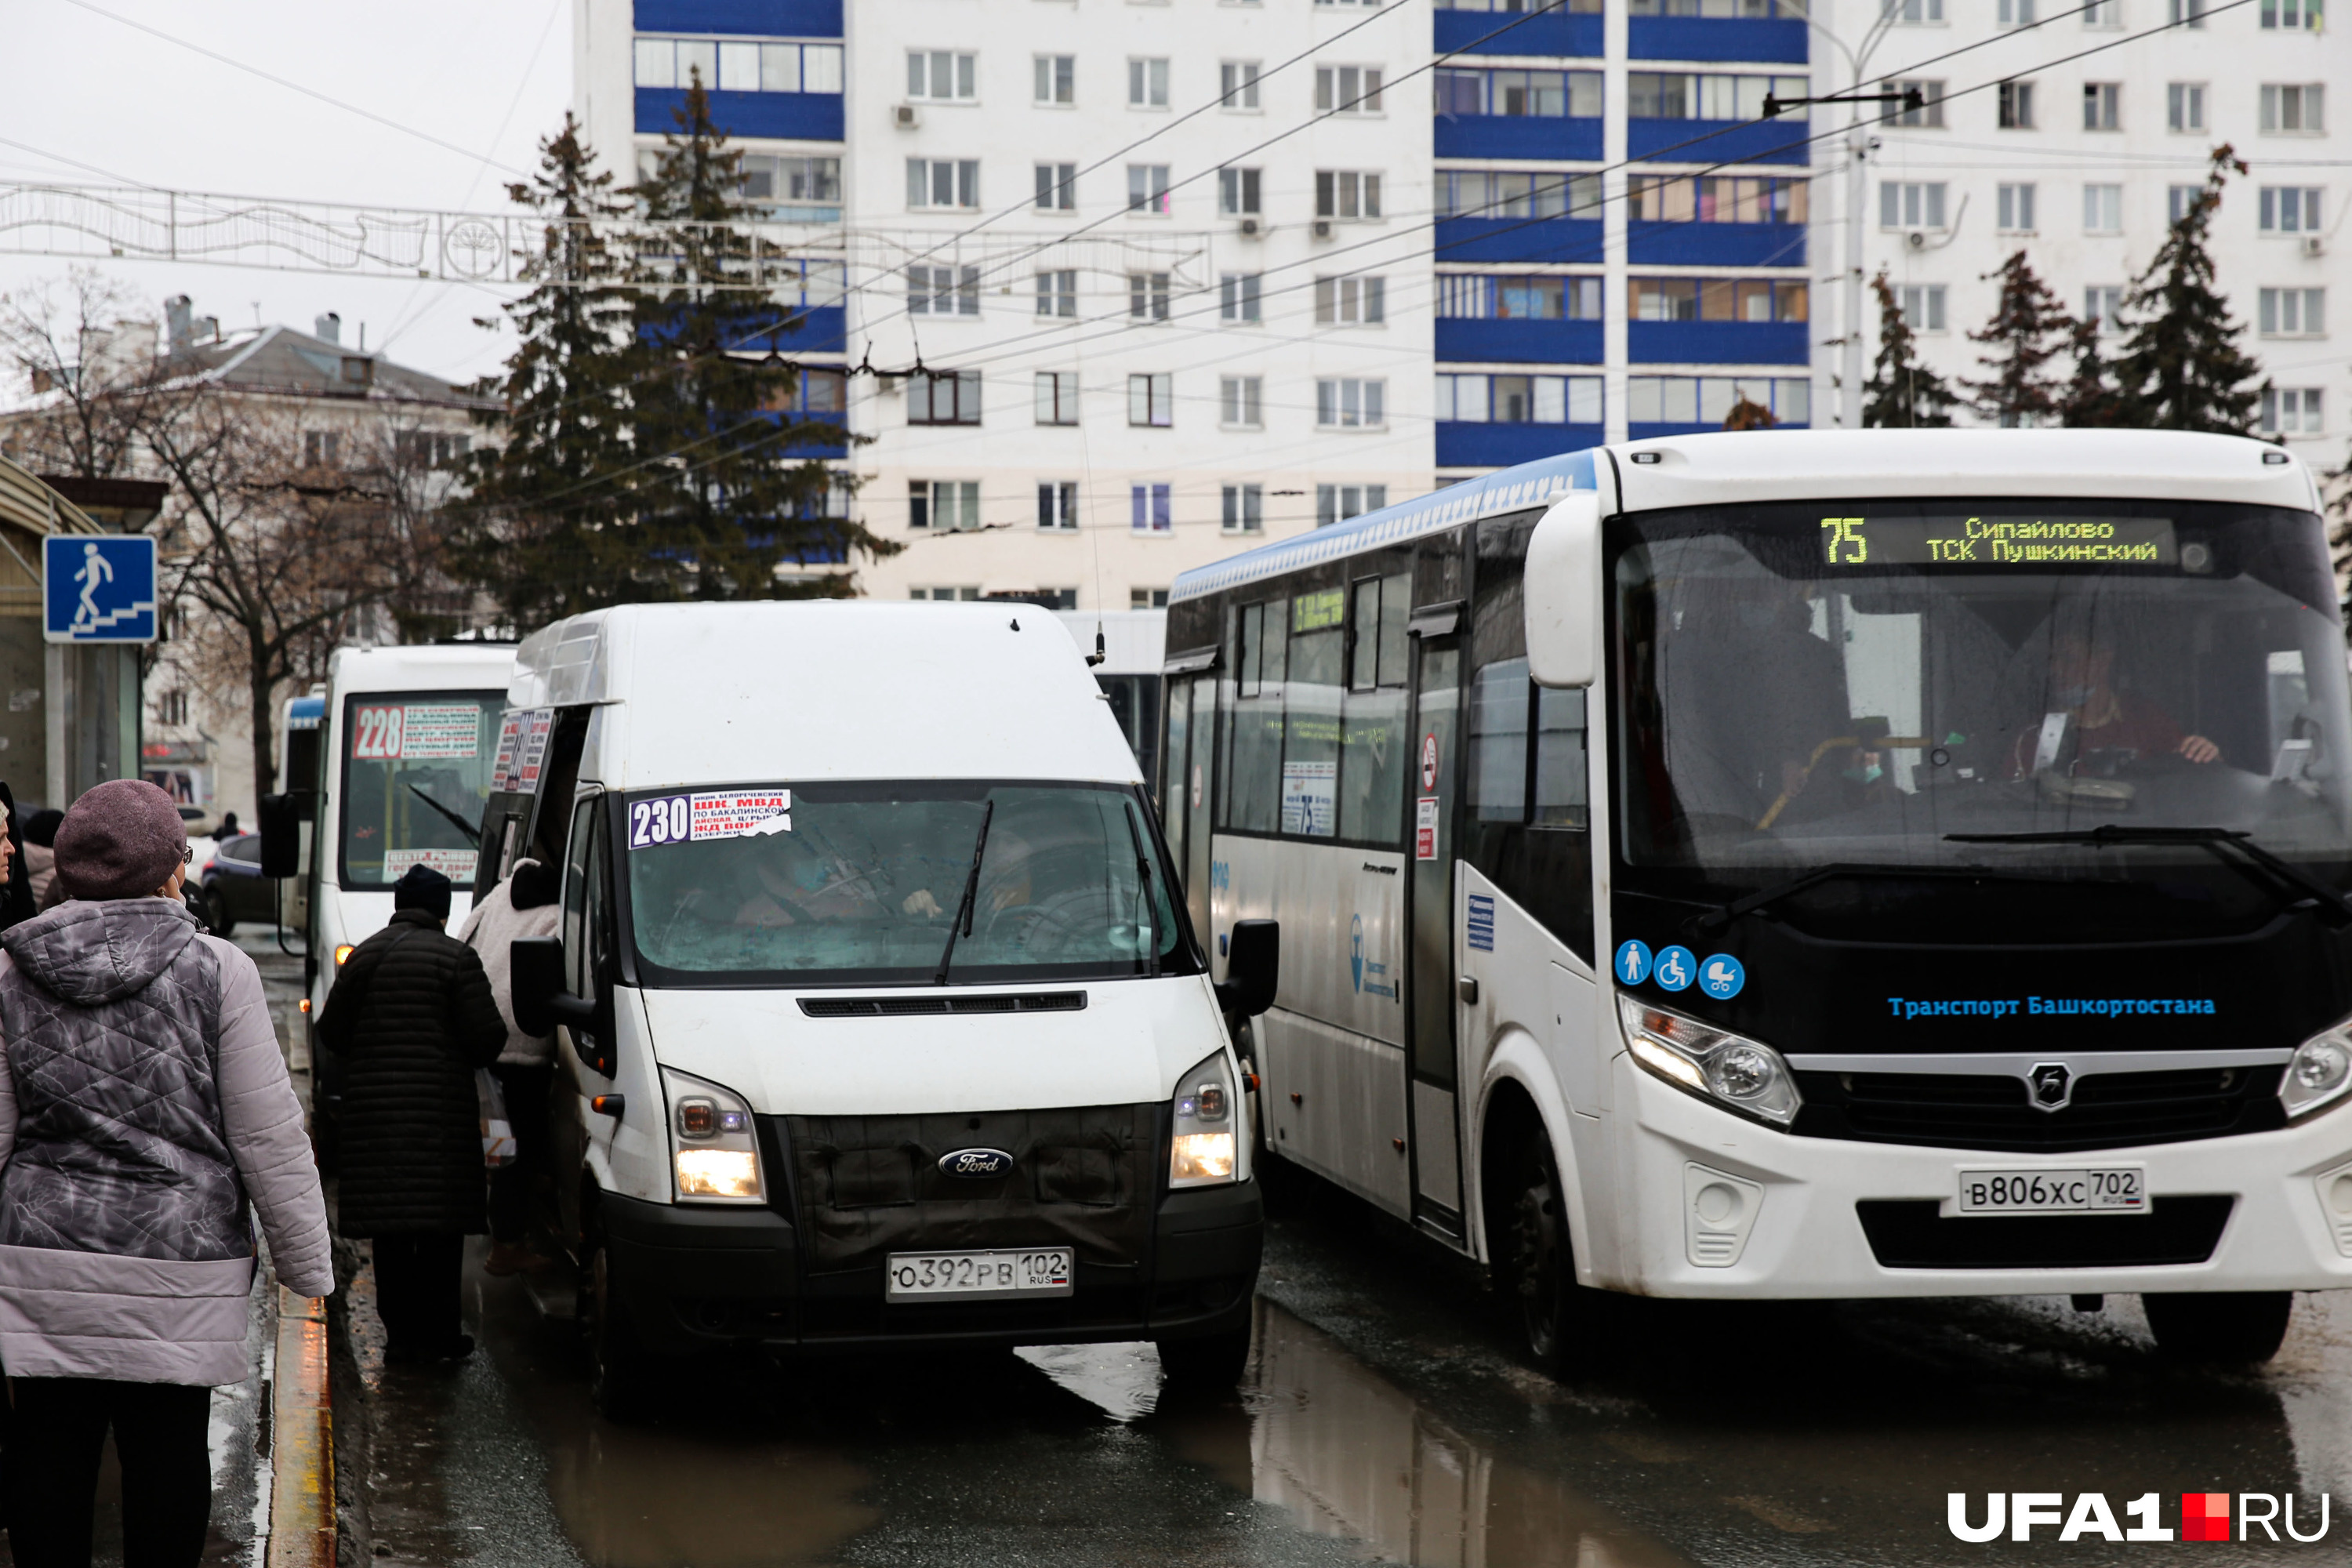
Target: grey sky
90, 88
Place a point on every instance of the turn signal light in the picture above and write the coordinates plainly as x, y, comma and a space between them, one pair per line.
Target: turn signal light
342, 951
304, 1005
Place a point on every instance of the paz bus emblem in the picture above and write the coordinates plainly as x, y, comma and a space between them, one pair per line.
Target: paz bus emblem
2052, 1084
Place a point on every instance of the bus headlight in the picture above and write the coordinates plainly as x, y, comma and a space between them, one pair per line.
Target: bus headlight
1205, 1149
1713, 1063
713, 1149
2319, 1071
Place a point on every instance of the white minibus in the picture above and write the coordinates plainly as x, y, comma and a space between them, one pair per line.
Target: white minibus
880, 1023
1804, 864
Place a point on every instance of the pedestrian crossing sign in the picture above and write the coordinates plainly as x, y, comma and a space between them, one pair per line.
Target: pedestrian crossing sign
98, 588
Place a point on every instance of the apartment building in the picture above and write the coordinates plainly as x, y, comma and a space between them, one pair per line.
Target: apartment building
1185, 275
2084, 165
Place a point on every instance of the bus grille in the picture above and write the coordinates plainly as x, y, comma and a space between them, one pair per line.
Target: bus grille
904, 1006
2107, 1110
1908, 1233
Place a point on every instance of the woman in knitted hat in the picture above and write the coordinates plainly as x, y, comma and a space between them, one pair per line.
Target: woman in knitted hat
144, 1114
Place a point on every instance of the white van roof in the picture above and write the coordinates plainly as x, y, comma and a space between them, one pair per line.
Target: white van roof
779, 692
436, 667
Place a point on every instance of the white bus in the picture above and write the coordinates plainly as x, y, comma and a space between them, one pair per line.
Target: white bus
1804, 864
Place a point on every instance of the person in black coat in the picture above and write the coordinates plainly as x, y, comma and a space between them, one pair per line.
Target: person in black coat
412, 1018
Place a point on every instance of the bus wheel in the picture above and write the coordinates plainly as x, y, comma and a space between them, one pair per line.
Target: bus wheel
1212, 1364
620, 1377
2235, 1328
1556, 1311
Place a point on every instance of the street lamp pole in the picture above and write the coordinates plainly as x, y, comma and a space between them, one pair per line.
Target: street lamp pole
1857, 194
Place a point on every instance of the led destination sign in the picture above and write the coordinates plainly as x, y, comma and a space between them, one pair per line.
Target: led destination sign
1999, 542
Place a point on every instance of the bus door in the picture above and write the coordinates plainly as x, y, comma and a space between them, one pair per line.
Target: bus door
1184, 786
1437, 686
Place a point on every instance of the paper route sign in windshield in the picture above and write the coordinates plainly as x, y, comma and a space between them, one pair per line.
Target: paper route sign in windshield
1999, 542
712, 814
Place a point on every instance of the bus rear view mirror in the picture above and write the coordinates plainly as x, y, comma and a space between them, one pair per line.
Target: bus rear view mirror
1252, 967
281, 834
535, 967
1563, 593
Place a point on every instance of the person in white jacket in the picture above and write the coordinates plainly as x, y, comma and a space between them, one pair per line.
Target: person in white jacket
524, 905
145, 1118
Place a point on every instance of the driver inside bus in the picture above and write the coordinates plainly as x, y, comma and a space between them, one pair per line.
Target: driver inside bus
1003, 880
790, 881
2102, 717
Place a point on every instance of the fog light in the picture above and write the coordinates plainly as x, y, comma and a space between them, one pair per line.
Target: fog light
1199, 1157
718, 1174
2319, 1071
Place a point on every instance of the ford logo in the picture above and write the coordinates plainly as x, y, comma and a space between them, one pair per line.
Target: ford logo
976, 1164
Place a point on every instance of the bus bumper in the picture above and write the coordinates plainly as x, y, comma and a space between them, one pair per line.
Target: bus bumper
1713, 1204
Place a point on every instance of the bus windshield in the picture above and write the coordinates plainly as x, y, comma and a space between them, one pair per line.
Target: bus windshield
858, 883
1911, 683
416, 775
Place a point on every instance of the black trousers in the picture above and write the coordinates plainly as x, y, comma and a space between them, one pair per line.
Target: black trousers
514, 1187
416, 1289
58, 1432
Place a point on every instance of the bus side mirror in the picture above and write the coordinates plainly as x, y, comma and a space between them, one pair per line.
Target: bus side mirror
535, 970
1252, 967
281, 834
1563, 593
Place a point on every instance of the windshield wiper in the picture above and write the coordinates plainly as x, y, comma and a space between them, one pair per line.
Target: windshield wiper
961, 923
1715, 919
2218, 840
473, 835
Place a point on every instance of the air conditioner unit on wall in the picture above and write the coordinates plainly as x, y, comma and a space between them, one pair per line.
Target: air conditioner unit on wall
906, 116
1251, 228
2315, 244
1322, 228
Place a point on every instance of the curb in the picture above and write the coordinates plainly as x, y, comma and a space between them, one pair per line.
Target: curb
302, 1439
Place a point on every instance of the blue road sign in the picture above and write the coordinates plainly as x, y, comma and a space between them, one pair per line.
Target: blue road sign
1722, 976
97, 587
1676, 968
1633, 962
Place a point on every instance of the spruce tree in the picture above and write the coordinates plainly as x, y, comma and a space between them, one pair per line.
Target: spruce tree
1902, 394
739, 493
2182, 369
2028, 330
2090, 400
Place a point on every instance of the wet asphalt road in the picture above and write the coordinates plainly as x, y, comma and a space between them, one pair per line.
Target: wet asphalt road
1386, 1417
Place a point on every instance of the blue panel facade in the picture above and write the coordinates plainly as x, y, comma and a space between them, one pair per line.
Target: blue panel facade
1552, 33
1519, 239
1655, 432
1461, 445
1716, 244
785, 116
1783, 141
1516, 136
819, 330
1779, 40
821, 448
1519, 343
742, 18
1718, 342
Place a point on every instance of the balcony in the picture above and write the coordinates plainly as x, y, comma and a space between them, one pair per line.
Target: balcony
1467, 445
1718, 342
1519, 343
1716, 244
746, 18
1782, 140
1553, 33
783, 116
1519, 239
1745, 38
1516, 135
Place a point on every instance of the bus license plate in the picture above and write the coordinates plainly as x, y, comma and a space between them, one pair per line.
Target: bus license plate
980, 1276
2111, 1189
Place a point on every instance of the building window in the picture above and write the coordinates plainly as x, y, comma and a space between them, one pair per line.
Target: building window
1244, 508
1910, 204
1057, 187
1346, 194
739, 67
1147, 84
2017, 106
2104, 15
791, 189
1470, 296
1912, 12
2287, 411
1715, 198
1237, 84
1057, 397
172, 707
1347, 89
1929, 116
1350, 302
1147, 296
946, 595
1922, 305
321, 449
1238, 399
2289, 209
944, 397
1151, 400
943, 505
1057, 505
1057, 293
1057, 80
942, 291
1148, 508
2104, 303
2185, 13
2291, 15
2294, 312
1237, 296
942, 183
1338, 503
438, 450
1472, 192
1237, 193
1519, 399
2016, 12
1348, 403
1147, 188
2295, 107
2014, 209
1674, 95
1708, 400
2103, 209
2184, 106
1715, 300
940, 77
2102, 106
1146, 598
